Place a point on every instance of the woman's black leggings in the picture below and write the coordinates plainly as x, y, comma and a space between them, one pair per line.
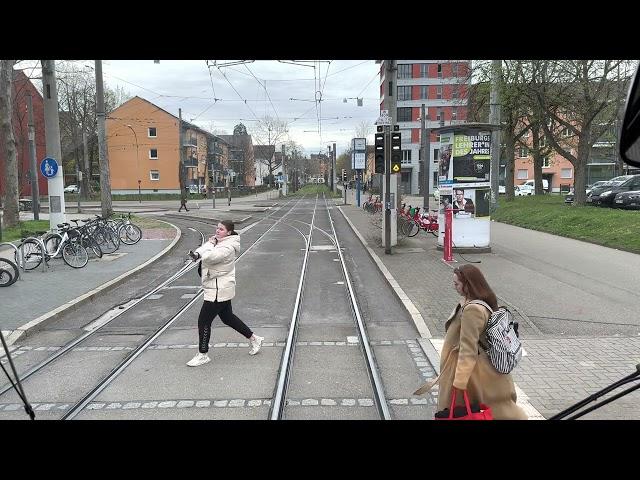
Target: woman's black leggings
208, 312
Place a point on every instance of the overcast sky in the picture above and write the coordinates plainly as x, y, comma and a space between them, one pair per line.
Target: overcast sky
190, 85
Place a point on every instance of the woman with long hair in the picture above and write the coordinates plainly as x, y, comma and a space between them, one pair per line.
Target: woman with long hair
464, 365
218, 257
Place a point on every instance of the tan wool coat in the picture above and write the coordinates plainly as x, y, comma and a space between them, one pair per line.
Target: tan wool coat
466, 366
219, 269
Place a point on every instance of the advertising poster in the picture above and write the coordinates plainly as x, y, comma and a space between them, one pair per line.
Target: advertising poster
472, 156
464, 181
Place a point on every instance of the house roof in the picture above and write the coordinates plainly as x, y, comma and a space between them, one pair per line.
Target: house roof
185, 124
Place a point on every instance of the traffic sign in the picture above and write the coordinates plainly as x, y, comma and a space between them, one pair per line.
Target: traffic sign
384, 118
49, 167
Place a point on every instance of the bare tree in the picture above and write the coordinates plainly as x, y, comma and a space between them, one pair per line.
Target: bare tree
270, 131
10, 200
582, 98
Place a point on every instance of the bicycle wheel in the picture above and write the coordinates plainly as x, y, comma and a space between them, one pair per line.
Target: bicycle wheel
401, 227
9, 272
106, 240
75, 255
51, 243
31, 254
412, 228
90, 244
130, 234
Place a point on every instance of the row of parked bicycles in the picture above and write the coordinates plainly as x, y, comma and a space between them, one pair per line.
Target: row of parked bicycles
73, 243
410, 220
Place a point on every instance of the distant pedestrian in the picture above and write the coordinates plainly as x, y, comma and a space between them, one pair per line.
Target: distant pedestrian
219, 282
183, 204
464, 365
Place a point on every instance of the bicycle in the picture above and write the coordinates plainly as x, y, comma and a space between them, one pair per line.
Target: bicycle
70, 247
128, 232
9, 272
427, 222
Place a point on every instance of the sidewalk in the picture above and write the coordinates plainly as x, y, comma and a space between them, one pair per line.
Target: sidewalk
557, 371
40, 296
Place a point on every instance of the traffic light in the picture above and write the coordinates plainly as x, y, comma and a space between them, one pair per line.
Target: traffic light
396, 152
344, 175
379, 152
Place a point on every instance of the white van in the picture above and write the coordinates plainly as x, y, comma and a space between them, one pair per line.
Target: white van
529, 186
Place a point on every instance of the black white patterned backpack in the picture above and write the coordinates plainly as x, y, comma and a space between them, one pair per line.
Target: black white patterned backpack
504, 348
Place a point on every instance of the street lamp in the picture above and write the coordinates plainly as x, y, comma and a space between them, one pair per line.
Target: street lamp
137, 163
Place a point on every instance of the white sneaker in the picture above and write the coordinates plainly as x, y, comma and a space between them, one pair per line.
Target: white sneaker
199, 359
255, 344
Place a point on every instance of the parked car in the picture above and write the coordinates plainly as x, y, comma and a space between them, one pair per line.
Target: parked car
530, 186
596, 184
72, 189
605, 194
627, 200
569, 197
523, 190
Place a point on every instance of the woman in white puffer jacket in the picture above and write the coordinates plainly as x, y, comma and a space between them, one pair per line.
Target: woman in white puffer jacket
219, 282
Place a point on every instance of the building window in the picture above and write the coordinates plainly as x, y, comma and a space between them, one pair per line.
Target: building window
455, 91
404, 71
436, 154
566, 132
439, 114
524, 152
390, 88
423, 70
454, 113
454, 69
152, 133
404, 93
545, 162
154, 174
424, 91
406, 156
566, 173
404, 114
439, 70
153, 153
439, 91
523, 174
543, 141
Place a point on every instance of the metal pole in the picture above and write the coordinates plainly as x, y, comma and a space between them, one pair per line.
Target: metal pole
181, 169
333, 169
391, 88
35, 188
103, 154
494, 119
387, 193
86, 181
52, 137
425, 137
284, 171
78, 179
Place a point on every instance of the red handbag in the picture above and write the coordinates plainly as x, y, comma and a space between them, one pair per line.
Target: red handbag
484, 413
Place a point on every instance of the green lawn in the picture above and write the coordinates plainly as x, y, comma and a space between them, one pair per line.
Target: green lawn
548, 213
24, 229
312, 189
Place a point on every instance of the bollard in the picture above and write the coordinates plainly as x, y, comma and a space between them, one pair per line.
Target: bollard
448, 235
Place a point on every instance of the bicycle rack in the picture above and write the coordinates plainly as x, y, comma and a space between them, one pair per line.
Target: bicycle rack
18, 257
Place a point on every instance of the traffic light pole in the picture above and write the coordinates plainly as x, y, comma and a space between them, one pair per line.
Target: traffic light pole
387, 190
